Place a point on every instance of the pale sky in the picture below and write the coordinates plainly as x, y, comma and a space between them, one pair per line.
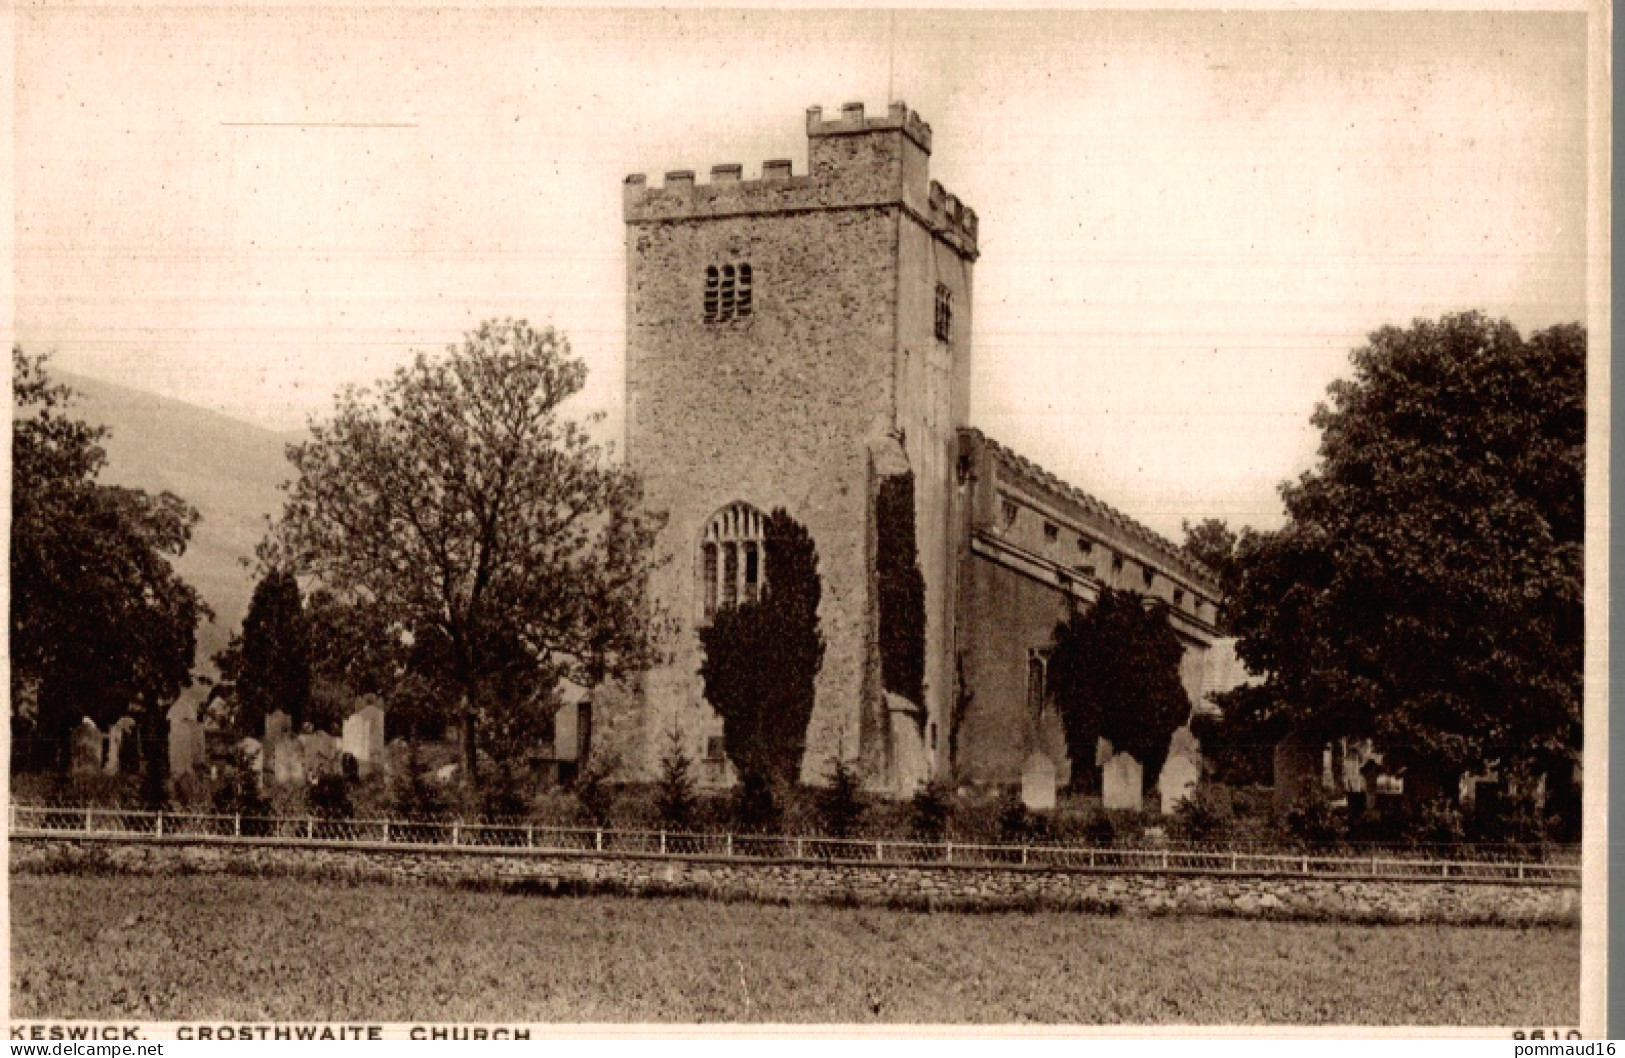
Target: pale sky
1187, 219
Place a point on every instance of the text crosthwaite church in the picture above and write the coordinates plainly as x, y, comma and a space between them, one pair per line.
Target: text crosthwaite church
803, 340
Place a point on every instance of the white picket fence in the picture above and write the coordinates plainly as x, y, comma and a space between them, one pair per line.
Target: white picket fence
34, 821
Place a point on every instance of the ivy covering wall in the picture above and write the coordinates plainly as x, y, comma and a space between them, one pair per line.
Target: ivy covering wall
901, 590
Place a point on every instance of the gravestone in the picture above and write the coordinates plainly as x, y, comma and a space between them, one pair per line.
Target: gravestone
1122, 784
278, 726
287, 762
124, 728
186, 748
364, 736
252, 753
85, 747
1182, 770
1038, 783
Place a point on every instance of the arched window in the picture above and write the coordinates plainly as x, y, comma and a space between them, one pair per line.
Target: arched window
732, 558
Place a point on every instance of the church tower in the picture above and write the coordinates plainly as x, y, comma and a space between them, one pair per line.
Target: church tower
796, 341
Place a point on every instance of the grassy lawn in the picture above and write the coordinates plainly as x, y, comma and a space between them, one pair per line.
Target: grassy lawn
205, 947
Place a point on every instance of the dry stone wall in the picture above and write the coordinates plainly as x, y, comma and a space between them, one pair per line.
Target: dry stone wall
934, 887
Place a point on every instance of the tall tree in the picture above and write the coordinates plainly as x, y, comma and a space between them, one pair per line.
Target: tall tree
267, 665
762, 659
1114, 674
460, 504
1218, 547
1426, 591
100, 623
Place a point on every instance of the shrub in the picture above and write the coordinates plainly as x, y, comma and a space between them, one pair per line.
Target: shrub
594, 794
239, 791
675, 798
1017, 822
929, 812
756, 807
1315, 821
1202, 816
840, 804
1438, 822
329, 798
414, 795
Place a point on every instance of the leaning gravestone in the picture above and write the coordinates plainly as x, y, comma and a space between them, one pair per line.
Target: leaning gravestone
1122, 784
1182, 770
1038, 783
364, 735
185, 739
86, 747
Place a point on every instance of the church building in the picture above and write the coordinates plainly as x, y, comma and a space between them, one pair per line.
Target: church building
803, 341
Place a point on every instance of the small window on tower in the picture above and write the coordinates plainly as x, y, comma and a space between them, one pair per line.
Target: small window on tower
712, 289
1009, 511
1085, 545
1052, 532
945, 314
1179, 597
1148, 575
728, 294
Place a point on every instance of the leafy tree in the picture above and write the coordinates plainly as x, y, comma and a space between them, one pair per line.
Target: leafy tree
353, 647
762, 658
1214, 544
900, 588
675, 798
267, 665
1114, 674
100, 623
459, 505
1426, 591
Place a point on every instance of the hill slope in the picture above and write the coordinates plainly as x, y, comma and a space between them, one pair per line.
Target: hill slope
228, 469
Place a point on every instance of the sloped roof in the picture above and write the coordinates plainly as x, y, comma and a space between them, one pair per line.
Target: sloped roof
1036, 476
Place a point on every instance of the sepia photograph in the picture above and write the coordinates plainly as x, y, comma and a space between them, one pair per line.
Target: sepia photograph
1085, 520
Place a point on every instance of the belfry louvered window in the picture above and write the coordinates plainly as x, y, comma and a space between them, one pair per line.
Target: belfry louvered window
732, 558
727, 293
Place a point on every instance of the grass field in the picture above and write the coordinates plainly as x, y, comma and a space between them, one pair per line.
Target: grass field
204, 947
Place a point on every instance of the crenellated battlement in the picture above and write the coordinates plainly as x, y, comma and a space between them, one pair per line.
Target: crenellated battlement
853, 120
949, 214
853, 164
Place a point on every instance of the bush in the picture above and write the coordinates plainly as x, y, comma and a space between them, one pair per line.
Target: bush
413, 794
238, 792
594, 794
675, 799
840, 804
929, 813
1438, 822
756, 807
1202, 816
1017, 822
329, 798
1315, 821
